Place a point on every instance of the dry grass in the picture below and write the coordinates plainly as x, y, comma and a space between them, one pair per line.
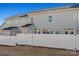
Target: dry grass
34, 51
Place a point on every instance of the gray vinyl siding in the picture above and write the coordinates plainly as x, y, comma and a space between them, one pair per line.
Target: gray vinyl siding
16, 22
60, 21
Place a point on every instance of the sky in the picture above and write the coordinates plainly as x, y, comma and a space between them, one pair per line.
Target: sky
10, 9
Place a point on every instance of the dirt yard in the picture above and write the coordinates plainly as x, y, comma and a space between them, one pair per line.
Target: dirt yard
35, 51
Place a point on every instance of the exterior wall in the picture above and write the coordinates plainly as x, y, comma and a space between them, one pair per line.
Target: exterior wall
60, 21
12, 32
17, 21
24, 30
77, 20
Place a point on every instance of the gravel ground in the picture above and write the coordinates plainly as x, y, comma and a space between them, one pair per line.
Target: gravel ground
35, 51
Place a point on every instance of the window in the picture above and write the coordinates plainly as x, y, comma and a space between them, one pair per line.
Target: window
71, 32
57, 32
47, 32
44, 32
35, 31
38, 32
66, 32
50, 18
51, 32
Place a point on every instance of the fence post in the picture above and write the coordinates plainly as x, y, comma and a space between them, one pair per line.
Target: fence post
75, 45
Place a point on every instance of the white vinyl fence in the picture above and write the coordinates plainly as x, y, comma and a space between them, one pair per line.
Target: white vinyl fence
8, 40
44, 40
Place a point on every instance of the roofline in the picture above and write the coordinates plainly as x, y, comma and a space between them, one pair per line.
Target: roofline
57, 8
41, 10
53, 11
